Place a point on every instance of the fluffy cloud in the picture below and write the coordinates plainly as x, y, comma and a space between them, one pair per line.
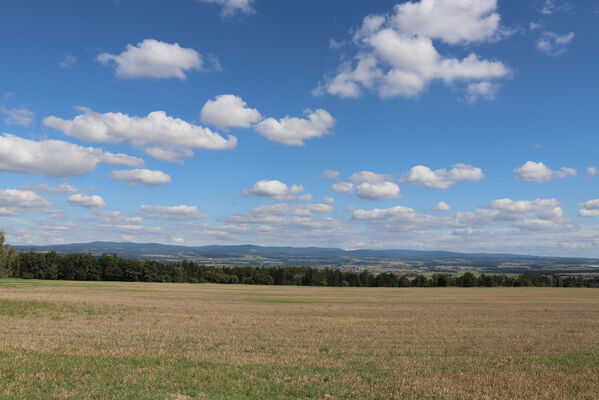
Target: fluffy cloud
422, 175
147, 177
232, 7
63, 188
369, 185
228, 111
55, 158
538, 172
592, 172
508, 210
441, 178
554, 44
274, 189
589, 208
465, 172
153, 59
86, 201
16, 202
294, 131
368, 177
163, 137
378, 191
18, 116
397, 56
448, 20
442, 206
181, 212
543, 208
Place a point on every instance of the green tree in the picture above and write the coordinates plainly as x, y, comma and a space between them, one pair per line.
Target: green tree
7, 258
420, 281
440, 280
468, 280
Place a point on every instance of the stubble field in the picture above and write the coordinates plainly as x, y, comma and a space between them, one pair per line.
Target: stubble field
182, 341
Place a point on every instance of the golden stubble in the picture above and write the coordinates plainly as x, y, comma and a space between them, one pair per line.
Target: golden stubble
495, 343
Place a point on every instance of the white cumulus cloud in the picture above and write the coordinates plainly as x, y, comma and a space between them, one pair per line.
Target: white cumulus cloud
539, 172
453, 21
55, 158
274, 189
228, 111
16, 202
368, 177
144, 176
159, 135
592, 172
369, 185
377, 191
442, 206
294, 131
507, 210
397, 56
589, 208
153, 59
441, 178
86, 201
396, 214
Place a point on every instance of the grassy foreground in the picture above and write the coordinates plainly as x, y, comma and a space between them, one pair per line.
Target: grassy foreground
183, 341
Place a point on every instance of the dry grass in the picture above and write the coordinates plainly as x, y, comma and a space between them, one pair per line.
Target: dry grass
180, 341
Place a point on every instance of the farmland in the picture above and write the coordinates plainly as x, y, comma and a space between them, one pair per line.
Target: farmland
190, 341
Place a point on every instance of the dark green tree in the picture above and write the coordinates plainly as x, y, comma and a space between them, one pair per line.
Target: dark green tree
7, 258
468, 280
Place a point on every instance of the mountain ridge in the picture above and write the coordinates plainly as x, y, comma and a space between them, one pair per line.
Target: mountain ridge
248, 254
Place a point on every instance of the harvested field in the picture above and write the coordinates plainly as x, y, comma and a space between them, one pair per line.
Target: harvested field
185, 341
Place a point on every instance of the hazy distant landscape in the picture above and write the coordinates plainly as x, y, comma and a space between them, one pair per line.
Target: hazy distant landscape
399, 261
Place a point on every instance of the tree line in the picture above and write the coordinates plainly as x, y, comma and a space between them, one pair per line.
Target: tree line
86, 267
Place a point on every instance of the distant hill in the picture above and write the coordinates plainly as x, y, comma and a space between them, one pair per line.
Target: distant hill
408, 260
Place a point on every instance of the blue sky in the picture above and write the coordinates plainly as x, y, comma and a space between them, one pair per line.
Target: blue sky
433, 124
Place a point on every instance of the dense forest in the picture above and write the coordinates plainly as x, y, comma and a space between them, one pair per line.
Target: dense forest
85, 267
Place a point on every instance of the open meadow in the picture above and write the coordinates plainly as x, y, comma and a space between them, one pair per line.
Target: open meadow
202, 341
